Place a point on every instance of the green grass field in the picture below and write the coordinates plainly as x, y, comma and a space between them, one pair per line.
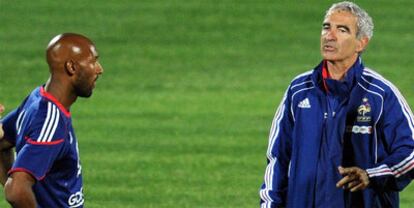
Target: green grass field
181, 115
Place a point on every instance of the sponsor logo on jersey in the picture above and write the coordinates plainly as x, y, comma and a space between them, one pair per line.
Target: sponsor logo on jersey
76, 199
359, 129
364, 111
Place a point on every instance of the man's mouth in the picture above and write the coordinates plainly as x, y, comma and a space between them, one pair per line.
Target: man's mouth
94, 82
328, 48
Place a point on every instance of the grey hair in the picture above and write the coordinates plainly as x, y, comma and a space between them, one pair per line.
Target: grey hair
365, 26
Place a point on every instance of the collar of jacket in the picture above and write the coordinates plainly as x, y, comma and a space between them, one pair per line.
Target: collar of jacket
335, 87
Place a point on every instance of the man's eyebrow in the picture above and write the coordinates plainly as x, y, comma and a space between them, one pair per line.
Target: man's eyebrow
344, 27
326, 24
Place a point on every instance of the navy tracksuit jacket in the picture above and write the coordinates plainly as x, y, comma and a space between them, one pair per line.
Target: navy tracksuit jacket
362, 121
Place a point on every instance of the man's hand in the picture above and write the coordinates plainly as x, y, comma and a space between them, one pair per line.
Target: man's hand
6, 153
1, 125
354, 179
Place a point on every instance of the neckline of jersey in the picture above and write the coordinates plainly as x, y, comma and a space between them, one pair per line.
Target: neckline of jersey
54, 100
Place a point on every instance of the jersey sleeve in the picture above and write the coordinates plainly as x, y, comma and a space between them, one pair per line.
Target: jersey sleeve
44, 142
394, 172
9, 126
12, 123
273, 191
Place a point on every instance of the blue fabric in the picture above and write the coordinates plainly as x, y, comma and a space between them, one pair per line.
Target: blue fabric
363, 121
46, 148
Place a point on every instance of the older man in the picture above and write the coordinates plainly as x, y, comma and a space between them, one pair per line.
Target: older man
343, 135
47, 170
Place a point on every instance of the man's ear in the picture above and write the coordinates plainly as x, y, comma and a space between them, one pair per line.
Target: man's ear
70, 67
362, 44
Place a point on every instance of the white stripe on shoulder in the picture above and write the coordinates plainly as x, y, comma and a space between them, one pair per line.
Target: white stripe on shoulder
300, 76
302, 83
19, 121
403, 103
45, 124
380, 88
52, 133
49, 127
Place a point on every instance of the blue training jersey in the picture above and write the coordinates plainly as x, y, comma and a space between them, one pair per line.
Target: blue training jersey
46, 148
362, 121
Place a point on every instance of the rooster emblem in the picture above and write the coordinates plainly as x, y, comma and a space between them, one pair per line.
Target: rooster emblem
364, 108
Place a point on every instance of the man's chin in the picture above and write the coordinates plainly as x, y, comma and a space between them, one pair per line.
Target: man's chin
85, 95
329, 57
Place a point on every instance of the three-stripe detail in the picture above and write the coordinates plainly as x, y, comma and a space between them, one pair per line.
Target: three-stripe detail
274, 132
273, 136
50, 124
408, 163
20, 120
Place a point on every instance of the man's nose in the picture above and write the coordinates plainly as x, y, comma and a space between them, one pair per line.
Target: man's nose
99, 69
330, 35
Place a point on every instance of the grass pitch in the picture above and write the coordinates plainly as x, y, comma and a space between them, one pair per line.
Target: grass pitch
181, 115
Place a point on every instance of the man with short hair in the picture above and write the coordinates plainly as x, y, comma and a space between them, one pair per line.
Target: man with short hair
343, 135
47, 171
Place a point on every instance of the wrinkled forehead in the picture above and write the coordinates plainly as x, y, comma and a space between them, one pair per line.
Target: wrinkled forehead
342, 12
341, 17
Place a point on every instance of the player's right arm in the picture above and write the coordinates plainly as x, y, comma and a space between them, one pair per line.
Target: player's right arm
44, 141
8, 134
273, 192
1, 125
18, 190
6, 159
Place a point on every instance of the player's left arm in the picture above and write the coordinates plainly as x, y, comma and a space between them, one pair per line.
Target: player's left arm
396, 128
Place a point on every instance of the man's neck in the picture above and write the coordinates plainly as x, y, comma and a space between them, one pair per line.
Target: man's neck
60, 92
338, 69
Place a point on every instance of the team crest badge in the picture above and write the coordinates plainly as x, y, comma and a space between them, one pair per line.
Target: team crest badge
363, 111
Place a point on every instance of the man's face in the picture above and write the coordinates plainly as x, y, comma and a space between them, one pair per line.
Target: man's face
338, 38
89, 71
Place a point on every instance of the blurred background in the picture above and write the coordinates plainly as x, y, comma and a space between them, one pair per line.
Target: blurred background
181, 114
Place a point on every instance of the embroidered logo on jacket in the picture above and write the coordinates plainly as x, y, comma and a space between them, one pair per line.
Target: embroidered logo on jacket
304, 103
363, 110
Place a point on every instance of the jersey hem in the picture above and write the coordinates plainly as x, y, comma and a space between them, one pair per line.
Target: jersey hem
13, 170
